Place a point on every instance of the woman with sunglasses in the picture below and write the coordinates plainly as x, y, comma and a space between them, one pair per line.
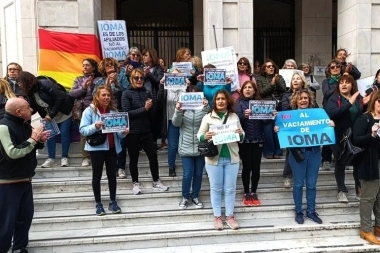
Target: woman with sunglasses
344, 106
271, 86
137, 101
348, 68
365, 134
244, 74
256, 69
333, 73
133, 61
307, 169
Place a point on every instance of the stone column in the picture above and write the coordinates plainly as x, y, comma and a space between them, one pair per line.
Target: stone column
354, 33
233, 22
313, 31
108, 8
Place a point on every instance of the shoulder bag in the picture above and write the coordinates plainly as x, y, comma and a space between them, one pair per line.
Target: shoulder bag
208, 148
348, 152
96, 139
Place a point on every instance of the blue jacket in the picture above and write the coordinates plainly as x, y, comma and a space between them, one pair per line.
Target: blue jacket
210, 90
87, 127
253, 128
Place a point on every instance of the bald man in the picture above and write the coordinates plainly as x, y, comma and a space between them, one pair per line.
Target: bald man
18, 144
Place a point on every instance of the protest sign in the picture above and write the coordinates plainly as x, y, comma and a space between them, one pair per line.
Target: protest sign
287, 74
225, 133
191, 100
364, 84
114, 122
51, 126
223, 58
175, 80
304, 128
261, 109
183, 67
214, 77
319, 71
113, 38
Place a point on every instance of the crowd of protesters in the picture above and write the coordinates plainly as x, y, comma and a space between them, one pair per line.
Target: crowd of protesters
136, 86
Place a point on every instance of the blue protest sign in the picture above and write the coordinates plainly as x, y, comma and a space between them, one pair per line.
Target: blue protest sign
215, 77
304, 128
175, 80
114, 122
262, 109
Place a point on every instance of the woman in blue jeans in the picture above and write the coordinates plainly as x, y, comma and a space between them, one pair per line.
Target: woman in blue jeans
193, 163
223, 168
306, 170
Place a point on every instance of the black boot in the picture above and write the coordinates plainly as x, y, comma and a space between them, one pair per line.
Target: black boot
172, 172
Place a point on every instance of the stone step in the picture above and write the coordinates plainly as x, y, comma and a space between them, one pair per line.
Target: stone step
346, 244
81, 184
164, 235
128, 200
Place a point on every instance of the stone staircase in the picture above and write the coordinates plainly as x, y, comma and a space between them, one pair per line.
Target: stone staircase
64, 219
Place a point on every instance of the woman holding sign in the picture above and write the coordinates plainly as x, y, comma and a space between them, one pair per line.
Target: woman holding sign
344, 107
193, 163
366, 135
222, 125
251, 149
106, 152
305, 164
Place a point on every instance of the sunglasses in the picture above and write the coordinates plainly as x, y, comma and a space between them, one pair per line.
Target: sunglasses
12, 69
257, 66
138, 78
269, 66
242, 63
335, 67
134, 55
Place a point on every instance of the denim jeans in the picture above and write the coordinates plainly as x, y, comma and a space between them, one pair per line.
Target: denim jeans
64, 128
192, 175
271, 144
223, 178
173, 140
307, 170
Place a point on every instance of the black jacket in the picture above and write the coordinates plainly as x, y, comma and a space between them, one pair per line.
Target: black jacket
3, 101
285, 102
267, 89
57, 100
355, 73
17, 151
340, 114
367, 162
154, 78
133, 101
253, 128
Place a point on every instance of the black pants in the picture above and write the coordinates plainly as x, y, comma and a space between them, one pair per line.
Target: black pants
122, 156
250, 155
287, 173
98, 158
134, 143
340, 173
326, 154
16, 215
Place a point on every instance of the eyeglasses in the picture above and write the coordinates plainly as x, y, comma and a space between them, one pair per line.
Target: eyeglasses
269, 66
138, 78
12, 69
305, 67
109, 66
242, 63
335, 67
134, 55
378, 100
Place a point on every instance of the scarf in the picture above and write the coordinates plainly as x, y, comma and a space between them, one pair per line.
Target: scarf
334, 79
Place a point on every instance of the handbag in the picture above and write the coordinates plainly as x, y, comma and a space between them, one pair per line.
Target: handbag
208, 148
348, 152
297, 154
96, 139
77, 111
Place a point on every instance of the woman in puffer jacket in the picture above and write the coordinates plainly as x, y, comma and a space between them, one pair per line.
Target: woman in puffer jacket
193, 163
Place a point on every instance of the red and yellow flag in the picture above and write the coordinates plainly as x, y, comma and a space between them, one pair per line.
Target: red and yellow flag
61, 54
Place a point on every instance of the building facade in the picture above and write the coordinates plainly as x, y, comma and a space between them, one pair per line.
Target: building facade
306, 30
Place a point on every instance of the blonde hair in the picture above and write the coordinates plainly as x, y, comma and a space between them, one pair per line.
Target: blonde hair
5, 89
297, 96
197, 63
303, 79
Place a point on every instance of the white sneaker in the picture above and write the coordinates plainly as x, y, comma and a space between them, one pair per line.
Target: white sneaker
342, 197
159, 186
64, 162
136, 188
86, 162
122, 174
48, 163
287, 183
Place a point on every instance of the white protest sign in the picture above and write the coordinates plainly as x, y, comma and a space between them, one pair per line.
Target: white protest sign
175, 81
191, 100
364, 84
319, 71
287, 74
225, 133
113, 39
183, 67
223, 58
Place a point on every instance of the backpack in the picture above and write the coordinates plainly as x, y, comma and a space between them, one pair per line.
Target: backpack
59, 86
